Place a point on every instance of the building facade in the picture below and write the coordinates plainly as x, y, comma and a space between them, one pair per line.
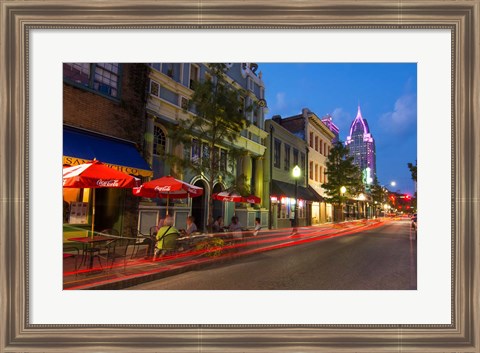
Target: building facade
285, 150
361, 145
103, 117
310, 128
169, 88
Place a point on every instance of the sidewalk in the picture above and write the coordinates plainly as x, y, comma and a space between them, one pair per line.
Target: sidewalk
139, 270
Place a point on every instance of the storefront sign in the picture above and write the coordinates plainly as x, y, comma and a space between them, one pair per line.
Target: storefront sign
71, 161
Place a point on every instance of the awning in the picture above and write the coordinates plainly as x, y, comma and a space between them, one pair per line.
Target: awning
280, 188
80, 146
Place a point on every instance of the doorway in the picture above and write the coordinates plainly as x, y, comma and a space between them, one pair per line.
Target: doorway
198, 207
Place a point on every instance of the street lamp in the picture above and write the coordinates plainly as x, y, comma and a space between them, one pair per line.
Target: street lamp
296, 174
343, 190
362, 199
393, 183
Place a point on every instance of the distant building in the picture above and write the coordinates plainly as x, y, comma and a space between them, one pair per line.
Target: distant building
328, 121
310, 128
361, 146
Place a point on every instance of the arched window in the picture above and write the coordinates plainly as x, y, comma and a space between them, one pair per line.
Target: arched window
159, 140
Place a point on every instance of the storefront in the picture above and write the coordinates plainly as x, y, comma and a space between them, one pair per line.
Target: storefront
283, 204
115, 208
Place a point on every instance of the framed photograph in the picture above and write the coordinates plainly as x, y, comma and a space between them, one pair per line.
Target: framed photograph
441, 37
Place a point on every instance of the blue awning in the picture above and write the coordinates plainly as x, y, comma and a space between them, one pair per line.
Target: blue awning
81, 146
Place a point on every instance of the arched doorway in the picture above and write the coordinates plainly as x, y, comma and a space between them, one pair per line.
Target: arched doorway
218, 206
199, 207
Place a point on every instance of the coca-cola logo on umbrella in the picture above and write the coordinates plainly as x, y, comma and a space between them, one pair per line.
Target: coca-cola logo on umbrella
111, 183
162, 188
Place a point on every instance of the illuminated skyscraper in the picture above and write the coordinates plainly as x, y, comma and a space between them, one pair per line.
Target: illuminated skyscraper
362, 147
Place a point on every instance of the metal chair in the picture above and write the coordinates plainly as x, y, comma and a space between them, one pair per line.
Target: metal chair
116, 249
169, 245
141, 239
93, 252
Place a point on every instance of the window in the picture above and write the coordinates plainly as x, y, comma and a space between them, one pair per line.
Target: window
241, 108
325, 148
325, 176
194, 75
100, 77
311, 139
316, 143
205, 152
321, 150
158, 140
195, 151
316, 172
184, 103
169, 70
320, 168
311, 170
287, 157
328, 151
154, 88
302, 161
277, 153
250, 84
223, 160
295, 158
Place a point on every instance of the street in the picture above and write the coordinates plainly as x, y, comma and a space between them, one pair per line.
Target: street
383, 258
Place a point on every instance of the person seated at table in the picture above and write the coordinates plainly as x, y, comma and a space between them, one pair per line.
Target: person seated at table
257, 228
166, 237
235, 227
217, 225
191, 227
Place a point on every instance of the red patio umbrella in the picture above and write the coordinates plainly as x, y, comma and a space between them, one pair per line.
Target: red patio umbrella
228, 196
96, 175
252, 199
167, 187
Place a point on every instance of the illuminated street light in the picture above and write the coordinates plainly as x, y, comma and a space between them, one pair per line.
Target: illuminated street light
296, 174
393, 183
343, 190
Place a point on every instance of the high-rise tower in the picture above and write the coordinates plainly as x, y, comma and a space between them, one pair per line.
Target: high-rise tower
362, 147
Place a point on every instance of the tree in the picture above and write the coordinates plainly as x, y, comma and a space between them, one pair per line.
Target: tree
214, 123
413, 170
379, 194
341, 172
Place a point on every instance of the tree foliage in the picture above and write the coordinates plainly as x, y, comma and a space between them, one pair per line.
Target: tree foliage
215, 119
341, 172
413, 170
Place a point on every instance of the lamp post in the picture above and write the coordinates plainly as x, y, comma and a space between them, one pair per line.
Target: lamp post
296, 174
343, 190
362, 198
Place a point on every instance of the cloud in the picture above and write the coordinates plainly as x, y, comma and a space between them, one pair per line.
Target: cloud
280, 101
342, 119
403, 116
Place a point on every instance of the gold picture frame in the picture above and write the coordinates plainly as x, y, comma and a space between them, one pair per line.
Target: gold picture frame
19, 17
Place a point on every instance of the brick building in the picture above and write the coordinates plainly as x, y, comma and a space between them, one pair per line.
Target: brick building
104, 118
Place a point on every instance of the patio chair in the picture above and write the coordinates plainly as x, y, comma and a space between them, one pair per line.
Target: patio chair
93, 252
145, 240
169, 245
116, 249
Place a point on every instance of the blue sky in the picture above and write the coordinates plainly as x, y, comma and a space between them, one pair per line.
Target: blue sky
387, 94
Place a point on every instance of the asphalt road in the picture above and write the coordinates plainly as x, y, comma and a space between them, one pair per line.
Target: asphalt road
383, 258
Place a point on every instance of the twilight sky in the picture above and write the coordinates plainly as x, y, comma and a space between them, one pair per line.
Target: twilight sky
387, 94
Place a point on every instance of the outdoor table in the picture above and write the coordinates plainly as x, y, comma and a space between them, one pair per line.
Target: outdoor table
89, 241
